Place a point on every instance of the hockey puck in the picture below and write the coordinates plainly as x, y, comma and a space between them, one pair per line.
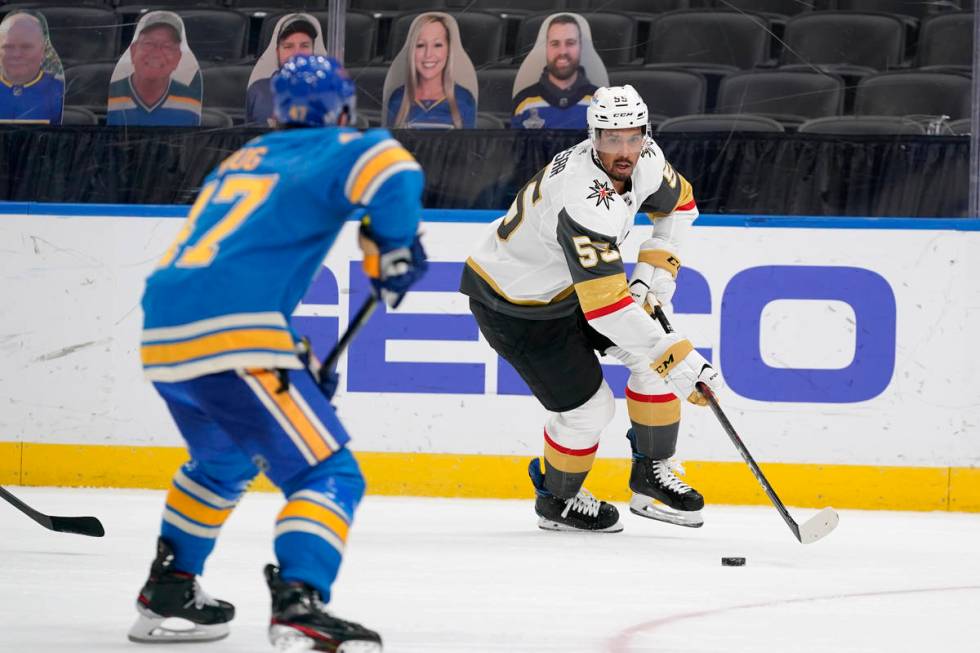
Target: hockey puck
733, 562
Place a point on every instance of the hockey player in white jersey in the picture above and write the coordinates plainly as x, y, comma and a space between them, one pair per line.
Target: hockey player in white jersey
548, 288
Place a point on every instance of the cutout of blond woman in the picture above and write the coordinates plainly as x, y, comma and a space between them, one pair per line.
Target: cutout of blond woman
431, 83
32, 81
294, 34
555, 83
157, 81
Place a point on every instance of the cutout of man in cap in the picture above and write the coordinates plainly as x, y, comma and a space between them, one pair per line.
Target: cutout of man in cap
294, 34
157, 82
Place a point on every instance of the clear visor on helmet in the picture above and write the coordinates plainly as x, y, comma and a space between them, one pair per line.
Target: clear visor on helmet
615, 141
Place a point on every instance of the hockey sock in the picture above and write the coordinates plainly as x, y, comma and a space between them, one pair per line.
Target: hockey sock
312, 527
198, 503
656, 420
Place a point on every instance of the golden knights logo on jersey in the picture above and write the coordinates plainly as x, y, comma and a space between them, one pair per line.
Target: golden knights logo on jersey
602, 193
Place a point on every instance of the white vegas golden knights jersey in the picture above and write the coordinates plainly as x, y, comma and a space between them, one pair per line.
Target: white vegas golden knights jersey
557, 247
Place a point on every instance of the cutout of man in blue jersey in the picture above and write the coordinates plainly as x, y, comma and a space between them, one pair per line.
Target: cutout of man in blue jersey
145, 89
218, 346
32, 85
562, 95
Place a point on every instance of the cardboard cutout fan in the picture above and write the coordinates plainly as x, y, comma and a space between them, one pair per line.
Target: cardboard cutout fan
157, 81
32, 80
530, 71
294, 34
457, 102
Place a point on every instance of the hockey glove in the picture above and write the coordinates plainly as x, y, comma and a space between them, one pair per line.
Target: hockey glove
676, 360
327, 380
652, 286
394, 271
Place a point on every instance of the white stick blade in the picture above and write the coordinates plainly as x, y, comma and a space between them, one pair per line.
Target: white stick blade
819, 526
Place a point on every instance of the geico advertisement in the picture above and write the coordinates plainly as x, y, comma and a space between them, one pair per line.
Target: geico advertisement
836, 345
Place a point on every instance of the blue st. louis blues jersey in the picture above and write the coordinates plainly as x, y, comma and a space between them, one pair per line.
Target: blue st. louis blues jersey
256, 236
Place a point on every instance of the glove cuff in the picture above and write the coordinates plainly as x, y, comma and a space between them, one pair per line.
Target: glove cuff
662, 259
665, 363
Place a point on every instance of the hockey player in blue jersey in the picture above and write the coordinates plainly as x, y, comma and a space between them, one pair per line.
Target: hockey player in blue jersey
218, 346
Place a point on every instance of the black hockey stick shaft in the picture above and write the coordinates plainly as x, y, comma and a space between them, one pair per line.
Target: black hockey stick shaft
356, 324
79, 525
737, 441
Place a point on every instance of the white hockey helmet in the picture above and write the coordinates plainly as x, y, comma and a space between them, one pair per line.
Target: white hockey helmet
617, 107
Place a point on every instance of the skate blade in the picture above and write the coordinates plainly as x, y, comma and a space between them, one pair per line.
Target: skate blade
154, 629
644, 506
289, 640
549, 525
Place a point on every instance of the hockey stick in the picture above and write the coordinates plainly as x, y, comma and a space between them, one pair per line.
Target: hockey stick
79, 525
363, 315
815, 528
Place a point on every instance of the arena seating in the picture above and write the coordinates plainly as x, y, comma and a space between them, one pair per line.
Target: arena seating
812, 65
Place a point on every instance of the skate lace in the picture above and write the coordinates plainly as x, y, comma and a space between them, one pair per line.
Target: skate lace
582, 502
201, 598
666, 471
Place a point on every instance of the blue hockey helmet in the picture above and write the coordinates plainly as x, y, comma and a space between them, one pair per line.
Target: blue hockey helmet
313, 91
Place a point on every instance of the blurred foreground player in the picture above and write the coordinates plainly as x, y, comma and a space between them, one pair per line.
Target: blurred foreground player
218, 346
548, 288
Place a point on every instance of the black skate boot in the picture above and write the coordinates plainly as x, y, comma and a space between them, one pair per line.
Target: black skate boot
300, 621
169, 593
583, 512
659, 494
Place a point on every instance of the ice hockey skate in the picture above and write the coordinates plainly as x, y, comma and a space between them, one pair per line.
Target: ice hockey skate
170, 595
583, 512
659, 494
300, 622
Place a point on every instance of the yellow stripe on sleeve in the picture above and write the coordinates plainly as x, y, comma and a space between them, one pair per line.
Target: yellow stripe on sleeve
376, 167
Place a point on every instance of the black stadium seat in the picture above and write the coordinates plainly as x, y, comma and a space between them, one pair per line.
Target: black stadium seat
82, 34
296, 5
636, 6
786, 96
742, 122
215, 34
667, 93
168, 4
914, 93
947, 40
496, 86
613, 35
79, 116
708, 38
87, 85
961, 126
831, 38
914, 8
778, 7
862, 125
225, 88
360, 34
508, 6
370, 82
482, 35
215, 119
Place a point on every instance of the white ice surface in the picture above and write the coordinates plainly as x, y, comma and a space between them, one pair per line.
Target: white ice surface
436, 575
